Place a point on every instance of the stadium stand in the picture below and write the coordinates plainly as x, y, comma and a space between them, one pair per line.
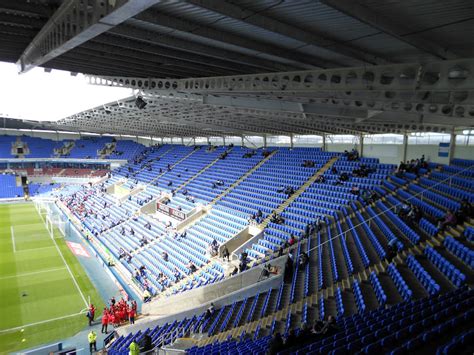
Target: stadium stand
355, 233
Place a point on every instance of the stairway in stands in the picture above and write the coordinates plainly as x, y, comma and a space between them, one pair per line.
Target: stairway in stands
242, 178
300, 190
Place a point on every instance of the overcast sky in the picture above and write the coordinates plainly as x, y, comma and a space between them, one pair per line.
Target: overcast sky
37, 95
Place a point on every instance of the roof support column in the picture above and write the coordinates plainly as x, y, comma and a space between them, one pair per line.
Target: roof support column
243, 143
325, 148
452, 146
223, 140
182, 141
405, 147
264, 140
291, 140
361, 142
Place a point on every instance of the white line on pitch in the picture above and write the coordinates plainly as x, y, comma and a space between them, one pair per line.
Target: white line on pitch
13, 238
35, 249
40, 322
69, 270
32, 273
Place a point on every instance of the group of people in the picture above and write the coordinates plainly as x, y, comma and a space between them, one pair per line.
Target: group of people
276, 218
249, 154
410, 213
305, 335
287, 190
217, 183
352, 155
256, 217
453, 218
308, 164
413, 166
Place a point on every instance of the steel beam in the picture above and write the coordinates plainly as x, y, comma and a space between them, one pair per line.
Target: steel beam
177, 56
109, 47
75, 23
289, 55
270, 24
454, 75
385, 24
197, 48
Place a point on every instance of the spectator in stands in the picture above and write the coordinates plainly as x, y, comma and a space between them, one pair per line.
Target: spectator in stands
276, 218
281, 189
92, 338
177, 274
449, 219
225, 254
164, 255
289, 190
147, 343
288, 270
209, 312
320, 179
275, 345
415, 215
391, 250
318, 223
355, 190
234, 272
402, 167
292, 240
146, 296
304, 336
291, 339
184, 191
465, 211
142, 271
330, 327
404, 210
191, 267
303, 260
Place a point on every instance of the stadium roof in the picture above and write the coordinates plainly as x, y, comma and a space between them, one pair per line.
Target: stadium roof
336, 66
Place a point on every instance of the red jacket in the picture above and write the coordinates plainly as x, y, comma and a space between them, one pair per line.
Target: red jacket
105, 319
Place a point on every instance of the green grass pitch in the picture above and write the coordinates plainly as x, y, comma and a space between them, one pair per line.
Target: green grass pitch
39, 300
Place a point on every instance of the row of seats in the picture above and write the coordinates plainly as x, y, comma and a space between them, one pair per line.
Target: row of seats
447, 268
460, 250
423, 276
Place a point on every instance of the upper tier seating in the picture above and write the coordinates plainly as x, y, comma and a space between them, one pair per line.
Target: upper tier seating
126, 149
88, 147
8, 188
6, 146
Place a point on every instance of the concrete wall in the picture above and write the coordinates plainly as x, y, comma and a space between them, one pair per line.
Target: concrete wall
178, 308
203, 295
